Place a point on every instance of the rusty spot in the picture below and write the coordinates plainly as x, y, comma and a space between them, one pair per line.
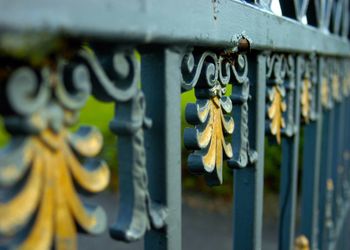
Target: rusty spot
243, 45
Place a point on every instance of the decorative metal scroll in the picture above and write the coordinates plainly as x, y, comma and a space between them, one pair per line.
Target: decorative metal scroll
326, 15
308, 89
281, 95
40, 167
242, 154
116, 76
209, 73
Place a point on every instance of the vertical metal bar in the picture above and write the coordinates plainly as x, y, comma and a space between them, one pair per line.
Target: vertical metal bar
325, 164
324, 176
248, 182
329, 164
161, 84
289, 176
339, 168
311, 169
335, 162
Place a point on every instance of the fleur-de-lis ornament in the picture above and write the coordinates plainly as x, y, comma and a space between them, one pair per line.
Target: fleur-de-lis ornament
325, 92
275, 111
280, 91
306, 99
212, 124
209, 115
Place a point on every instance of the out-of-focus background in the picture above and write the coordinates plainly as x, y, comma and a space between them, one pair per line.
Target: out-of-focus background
206, 210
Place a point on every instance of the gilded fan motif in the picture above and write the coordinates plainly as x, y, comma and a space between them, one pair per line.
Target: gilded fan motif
213, 124
306, 99
275, 112
324, 92
42, 164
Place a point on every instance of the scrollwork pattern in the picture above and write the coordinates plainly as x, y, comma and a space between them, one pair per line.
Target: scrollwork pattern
281, 95
116, 76
209, 73
41, 165
243, 154
308, 89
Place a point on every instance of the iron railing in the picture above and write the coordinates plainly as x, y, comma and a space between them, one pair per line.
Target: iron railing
287, 72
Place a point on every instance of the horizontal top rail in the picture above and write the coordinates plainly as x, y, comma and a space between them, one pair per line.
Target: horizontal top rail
209, 23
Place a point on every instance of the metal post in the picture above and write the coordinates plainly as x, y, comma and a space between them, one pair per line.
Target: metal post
161, 84
311, 170
248, 182
289, 177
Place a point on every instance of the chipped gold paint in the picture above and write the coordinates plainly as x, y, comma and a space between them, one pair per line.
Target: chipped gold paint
302, 243
324, 92
305, 100
213, 134
50, 189
336, 87
275, 113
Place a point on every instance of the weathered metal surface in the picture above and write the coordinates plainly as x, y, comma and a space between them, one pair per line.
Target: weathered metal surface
139, 21
40, 167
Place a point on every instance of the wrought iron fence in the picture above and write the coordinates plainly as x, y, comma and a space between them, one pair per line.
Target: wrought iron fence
287, 62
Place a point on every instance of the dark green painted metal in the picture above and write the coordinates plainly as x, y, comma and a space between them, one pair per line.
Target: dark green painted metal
326, 144
335, 162
289, 177
34, 27
248, 181
311, 170
161, 83
149, 22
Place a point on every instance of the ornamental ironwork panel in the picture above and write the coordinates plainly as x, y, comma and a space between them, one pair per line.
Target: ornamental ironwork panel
41, 166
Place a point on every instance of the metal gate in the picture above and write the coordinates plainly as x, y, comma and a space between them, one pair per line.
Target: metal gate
287, 63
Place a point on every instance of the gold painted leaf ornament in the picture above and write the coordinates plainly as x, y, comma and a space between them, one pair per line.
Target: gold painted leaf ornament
208, 136
40, 171
275, 111
336, 87
306, 100
325, 92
